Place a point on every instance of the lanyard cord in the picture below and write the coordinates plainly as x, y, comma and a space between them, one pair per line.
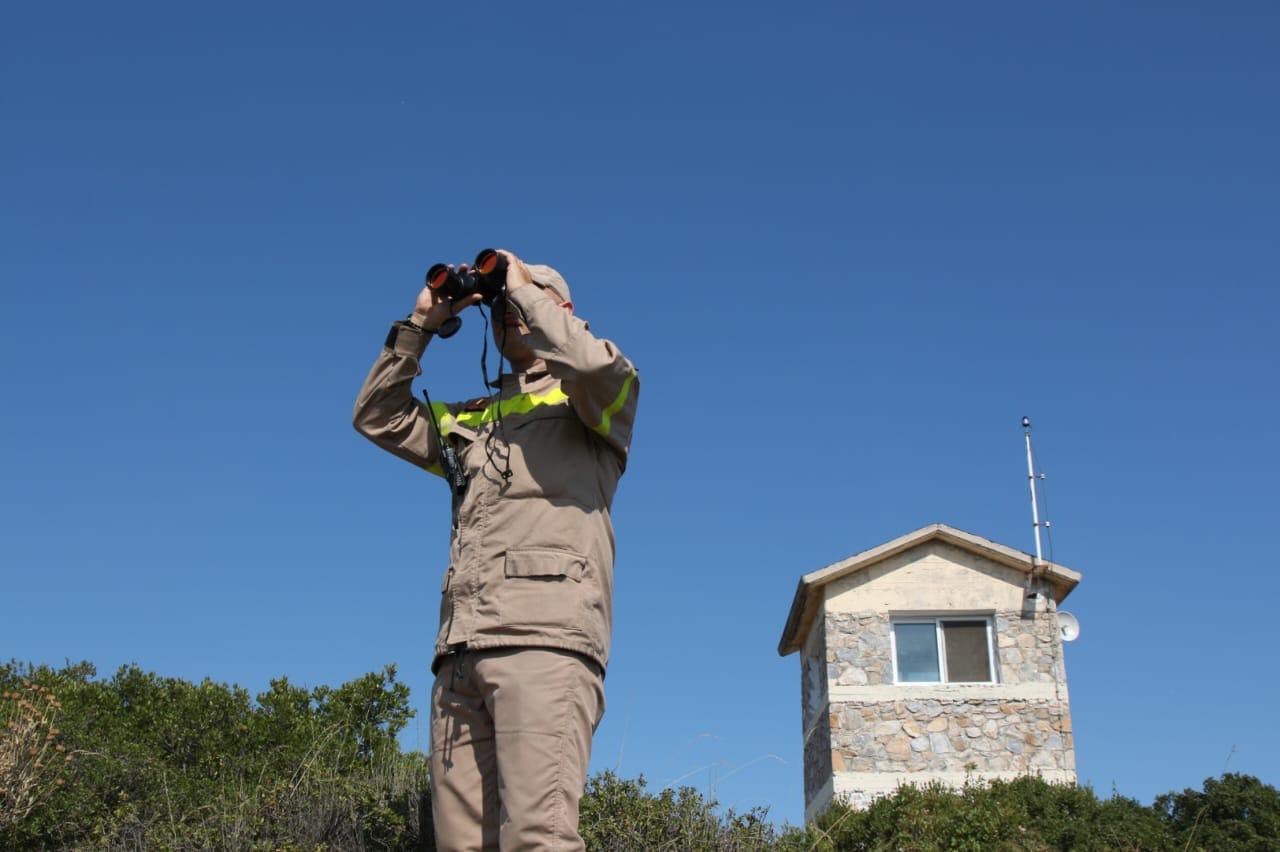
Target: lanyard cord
490, 450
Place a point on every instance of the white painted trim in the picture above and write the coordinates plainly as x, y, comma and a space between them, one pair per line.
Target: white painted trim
821, 801
883, 783
993, 662
942, 650
1033, 691
964, 540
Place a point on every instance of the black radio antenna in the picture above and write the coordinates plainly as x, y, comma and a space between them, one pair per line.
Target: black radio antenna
453, 472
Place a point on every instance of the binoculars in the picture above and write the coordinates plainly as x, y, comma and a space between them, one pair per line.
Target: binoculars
487, 276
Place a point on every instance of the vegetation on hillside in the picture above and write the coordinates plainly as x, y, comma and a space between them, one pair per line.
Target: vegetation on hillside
139, 761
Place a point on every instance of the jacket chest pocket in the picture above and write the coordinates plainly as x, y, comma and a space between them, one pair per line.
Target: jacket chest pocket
541, 588
554, 458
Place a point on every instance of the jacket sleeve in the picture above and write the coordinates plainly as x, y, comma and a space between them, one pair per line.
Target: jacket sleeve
386, 412
602, 385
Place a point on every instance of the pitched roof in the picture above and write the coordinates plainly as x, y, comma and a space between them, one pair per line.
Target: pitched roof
804, 606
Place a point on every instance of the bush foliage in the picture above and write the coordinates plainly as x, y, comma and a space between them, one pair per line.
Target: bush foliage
139, 761
162, 763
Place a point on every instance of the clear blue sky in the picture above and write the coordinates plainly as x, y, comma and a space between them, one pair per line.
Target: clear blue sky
849, 245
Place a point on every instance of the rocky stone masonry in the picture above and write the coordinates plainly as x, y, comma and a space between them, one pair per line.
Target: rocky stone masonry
813, 680
817, 758
939, 732
942, 734
956, 735
858, 649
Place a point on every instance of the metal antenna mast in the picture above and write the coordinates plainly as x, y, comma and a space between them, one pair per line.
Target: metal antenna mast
1031, 478
1035, 582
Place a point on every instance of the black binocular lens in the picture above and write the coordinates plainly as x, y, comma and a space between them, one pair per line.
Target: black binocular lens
488, 277
439, 276
489, 262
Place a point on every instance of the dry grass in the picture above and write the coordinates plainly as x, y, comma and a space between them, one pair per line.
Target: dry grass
32, 761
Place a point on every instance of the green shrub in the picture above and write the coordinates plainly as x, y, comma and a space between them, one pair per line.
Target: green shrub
1024, 814
618, 814
168, 764
1235, 813
139, 761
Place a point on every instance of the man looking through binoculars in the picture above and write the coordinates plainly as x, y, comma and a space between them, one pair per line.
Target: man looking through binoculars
526, 602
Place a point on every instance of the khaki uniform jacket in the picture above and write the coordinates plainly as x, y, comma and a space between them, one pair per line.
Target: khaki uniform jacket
531, 558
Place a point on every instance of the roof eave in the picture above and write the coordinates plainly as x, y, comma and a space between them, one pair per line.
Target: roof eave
791, 630
799, 619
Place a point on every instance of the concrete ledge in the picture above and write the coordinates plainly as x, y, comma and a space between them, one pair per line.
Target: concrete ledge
883, 783
1039, 691
861, 787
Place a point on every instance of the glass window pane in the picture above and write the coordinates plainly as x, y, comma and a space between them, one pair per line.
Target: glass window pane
917, 652
965, 643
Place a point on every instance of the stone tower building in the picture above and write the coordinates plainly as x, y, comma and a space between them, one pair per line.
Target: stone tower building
934, 657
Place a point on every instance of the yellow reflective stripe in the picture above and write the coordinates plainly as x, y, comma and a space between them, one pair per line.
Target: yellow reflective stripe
521, 403
444, 420
606, 417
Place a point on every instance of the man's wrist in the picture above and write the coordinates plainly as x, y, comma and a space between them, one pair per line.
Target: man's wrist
419, 321
405, 338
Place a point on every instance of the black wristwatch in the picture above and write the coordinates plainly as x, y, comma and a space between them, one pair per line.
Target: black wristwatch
390, 342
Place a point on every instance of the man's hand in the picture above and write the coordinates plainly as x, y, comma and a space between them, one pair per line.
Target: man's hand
518, 274
432, 308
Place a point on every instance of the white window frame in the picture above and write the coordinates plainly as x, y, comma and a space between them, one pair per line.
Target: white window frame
936, 620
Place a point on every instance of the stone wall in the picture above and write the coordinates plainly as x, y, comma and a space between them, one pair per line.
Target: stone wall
858, 648
813, 677
813, 698
955, 735
931, 728
818, 757
1029, 649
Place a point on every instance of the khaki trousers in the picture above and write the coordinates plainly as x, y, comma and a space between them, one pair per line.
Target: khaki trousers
510, 742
